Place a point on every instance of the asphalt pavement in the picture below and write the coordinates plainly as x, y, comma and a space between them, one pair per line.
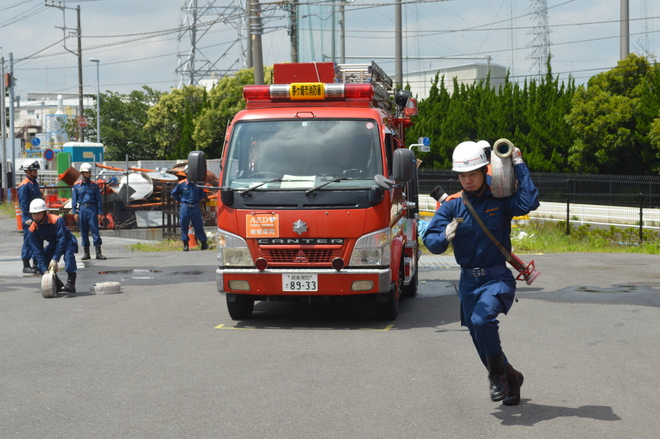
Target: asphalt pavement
162, 358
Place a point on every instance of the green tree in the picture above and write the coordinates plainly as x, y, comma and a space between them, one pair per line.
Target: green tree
172, 121
611, 118
225, 100
123, 119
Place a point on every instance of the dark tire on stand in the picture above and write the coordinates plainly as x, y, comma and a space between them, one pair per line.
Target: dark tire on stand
241, 307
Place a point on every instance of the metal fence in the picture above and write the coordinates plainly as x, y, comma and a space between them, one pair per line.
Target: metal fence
597, 200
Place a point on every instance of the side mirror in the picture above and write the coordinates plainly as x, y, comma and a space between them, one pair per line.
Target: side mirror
403, 165
197, 166
227, 196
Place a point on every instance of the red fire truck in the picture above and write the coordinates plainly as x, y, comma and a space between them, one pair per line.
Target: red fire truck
318, 196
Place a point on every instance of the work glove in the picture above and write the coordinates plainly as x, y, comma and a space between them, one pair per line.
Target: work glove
53, 266
450, 231
516, 156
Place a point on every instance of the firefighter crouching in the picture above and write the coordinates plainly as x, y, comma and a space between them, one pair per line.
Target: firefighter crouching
46, 227
87, 208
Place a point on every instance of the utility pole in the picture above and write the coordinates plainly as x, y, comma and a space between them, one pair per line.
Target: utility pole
625, 30
293, 30
342, 27
81, 131
3, 141
398, 45
12, 135
256, 29
248, 57
333, 45
61, 5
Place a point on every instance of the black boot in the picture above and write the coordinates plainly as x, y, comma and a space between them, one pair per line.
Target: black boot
26, 267
86, 254
205, 245
70, 286
185, 247
499, 386
99, 255
515, 380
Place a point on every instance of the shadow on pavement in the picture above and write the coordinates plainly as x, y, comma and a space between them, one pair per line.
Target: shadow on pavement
529, 414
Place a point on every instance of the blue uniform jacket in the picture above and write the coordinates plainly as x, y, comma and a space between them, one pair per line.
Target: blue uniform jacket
57, 234
28, 190
472, 248
188, 192
85, 193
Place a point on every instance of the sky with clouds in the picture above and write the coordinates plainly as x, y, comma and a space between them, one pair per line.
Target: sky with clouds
138, 41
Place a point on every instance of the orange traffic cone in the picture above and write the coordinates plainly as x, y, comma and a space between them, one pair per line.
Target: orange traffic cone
192, 242
19, 216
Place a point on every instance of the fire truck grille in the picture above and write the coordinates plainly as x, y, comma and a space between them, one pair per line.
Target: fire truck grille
296, 255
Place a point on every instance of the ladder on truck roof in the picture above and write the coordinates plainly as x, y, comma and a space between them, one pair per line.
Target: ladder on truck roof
369, 74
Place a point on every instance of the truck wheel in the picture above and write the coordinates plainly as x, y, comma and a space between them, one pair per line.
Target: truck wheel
389, 309
410, 290
240, 306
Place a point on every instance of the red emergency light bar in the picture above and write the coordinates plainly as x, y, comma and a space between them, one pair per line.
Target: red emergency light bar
311, 91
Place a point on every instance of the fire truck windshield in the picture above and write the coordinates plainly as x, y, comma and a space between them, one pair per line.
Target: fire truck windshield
301, 154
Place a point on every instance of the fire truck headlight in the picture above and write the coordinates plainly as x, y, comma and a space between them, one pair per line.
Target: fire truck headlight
232, 250
372, 250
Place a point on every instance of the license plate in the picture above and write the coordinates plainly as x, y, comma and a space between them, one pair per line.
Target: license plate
300, 282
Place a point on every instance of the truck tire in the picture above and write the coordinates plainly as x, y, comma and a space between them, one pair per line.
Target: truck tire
389, 309
240, 306
410, 290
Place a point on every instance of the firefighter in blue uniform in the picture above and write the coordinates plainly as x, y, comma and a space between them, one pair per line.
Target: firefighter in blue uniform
28, 190
486, 287
87, 208
52, 229
190, 195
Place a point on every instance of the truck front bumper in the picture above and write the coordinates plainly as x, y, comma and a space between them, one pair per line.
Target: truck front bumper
330, 282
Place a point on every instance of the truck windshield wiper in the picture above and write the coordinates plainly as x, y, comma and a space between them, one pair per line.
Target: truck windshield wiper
311, 191
248, 190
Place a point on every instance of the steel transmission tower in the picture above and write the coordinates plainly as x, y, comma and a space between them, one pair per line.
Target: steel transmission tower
200, 56
540, 38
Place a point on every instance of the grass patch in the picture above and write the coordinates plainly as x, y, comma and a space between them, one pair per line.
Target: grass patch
7, 210
166, 245
551, 237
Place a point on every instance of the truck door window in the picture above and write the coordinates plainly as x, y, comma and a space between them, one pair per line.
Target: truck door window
307, 150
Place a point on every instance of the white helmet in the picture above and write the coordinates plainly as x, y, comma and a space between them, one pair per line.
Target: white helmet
85, 167
38, 205
468, 156
30, 164
484, 144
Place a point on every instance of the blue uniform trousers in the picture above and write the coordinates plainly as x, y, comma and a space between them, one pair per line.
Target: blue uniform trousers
26, 250
482, 300
88, 219
191, 213
69, 256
